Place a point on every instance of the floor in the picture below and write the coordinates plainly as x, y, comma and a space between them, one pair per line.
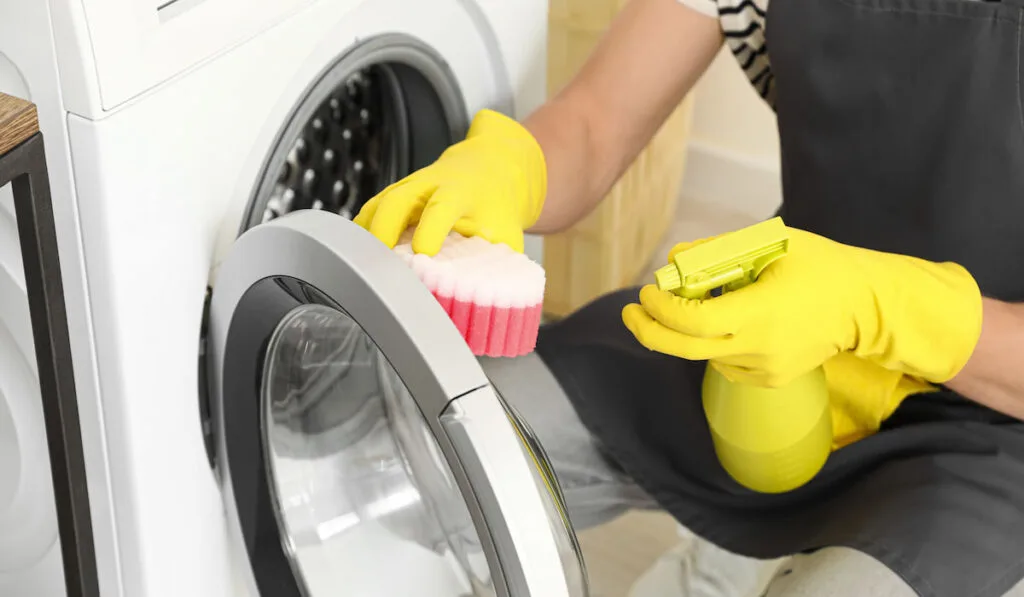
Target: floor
619, 552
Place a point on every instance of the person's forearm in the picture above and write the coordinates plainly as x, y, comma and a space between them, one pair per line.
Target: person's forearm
994, 375
576, 178
649, 59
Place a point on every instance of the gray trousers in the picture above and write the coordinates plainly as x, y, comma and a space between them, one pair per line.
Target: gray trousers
596, 491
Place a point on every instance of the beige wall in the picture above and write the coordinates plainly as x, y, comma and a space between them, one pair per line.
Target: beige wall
734, 147
729, 113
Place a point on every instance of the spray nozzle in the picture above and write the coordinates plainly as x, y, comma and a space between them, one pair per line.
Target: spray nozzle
729, 262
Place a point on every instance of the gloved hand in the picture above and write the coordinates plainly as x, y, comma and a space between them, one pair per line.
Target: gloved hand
905, 314
863, 394
491, 185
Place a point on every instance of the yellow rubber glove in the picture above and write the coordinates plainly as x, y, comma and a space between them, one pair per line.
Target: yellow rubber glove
492, 185
863, 394
905, 314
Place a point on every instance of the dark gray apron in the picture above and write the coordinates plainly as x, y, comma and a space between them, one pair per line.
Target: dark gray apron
902, 130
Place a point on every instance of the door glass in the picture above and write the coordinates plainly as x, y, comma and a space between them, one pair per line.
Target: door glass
569, 550
366, 502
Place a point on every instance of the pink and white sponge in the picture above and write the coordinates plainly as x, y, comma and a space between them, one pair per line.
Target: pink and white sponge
492, 293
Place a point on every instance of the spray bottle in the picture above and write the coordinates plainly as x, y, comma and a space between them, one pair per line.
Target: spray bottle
770, 440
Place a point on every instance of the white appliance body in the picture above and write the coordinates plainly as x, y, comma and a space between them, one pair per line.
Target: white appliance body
158, 118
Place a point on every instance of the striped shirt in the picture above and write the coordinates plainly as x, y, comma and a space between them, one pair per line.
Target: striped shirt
743, 25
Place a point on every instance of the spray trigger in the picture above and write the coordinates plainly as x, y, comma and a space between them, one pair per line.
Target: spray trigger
729, 262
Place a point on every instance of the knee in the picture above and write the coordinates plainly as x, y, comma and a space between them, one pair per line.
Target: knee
836, 572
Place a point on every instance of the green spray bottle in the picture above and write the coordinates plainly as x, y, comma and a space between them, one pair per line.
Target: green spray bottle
770, 440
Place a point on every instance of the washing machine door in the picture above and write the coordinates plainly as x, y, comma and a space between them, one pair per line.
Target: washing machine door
361, 448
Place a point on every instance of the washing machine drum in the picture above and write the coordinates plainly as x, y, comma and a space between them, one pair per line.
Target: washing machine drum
362, 451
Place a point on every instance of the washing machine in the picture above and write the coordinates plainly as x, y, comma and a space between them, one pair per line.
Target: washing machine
265, 401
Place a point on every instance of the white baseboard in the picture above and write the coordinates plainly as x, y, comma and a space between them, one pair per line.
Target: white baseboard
731, 180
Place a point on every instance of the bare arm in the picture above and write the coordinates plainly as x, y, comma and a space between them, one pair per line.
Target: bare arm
994, 376
651, 56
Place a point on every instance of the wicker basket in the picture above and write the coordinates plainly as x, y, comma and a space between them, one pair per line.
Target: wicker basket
607, 249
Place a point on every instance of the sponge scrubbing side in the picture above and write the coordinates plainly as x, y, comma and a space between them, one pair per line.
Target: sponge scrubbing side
492, 293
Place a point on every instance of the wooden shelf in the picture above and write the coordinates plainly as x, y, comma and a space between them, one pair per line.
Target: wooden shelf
23, 167
18, 122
